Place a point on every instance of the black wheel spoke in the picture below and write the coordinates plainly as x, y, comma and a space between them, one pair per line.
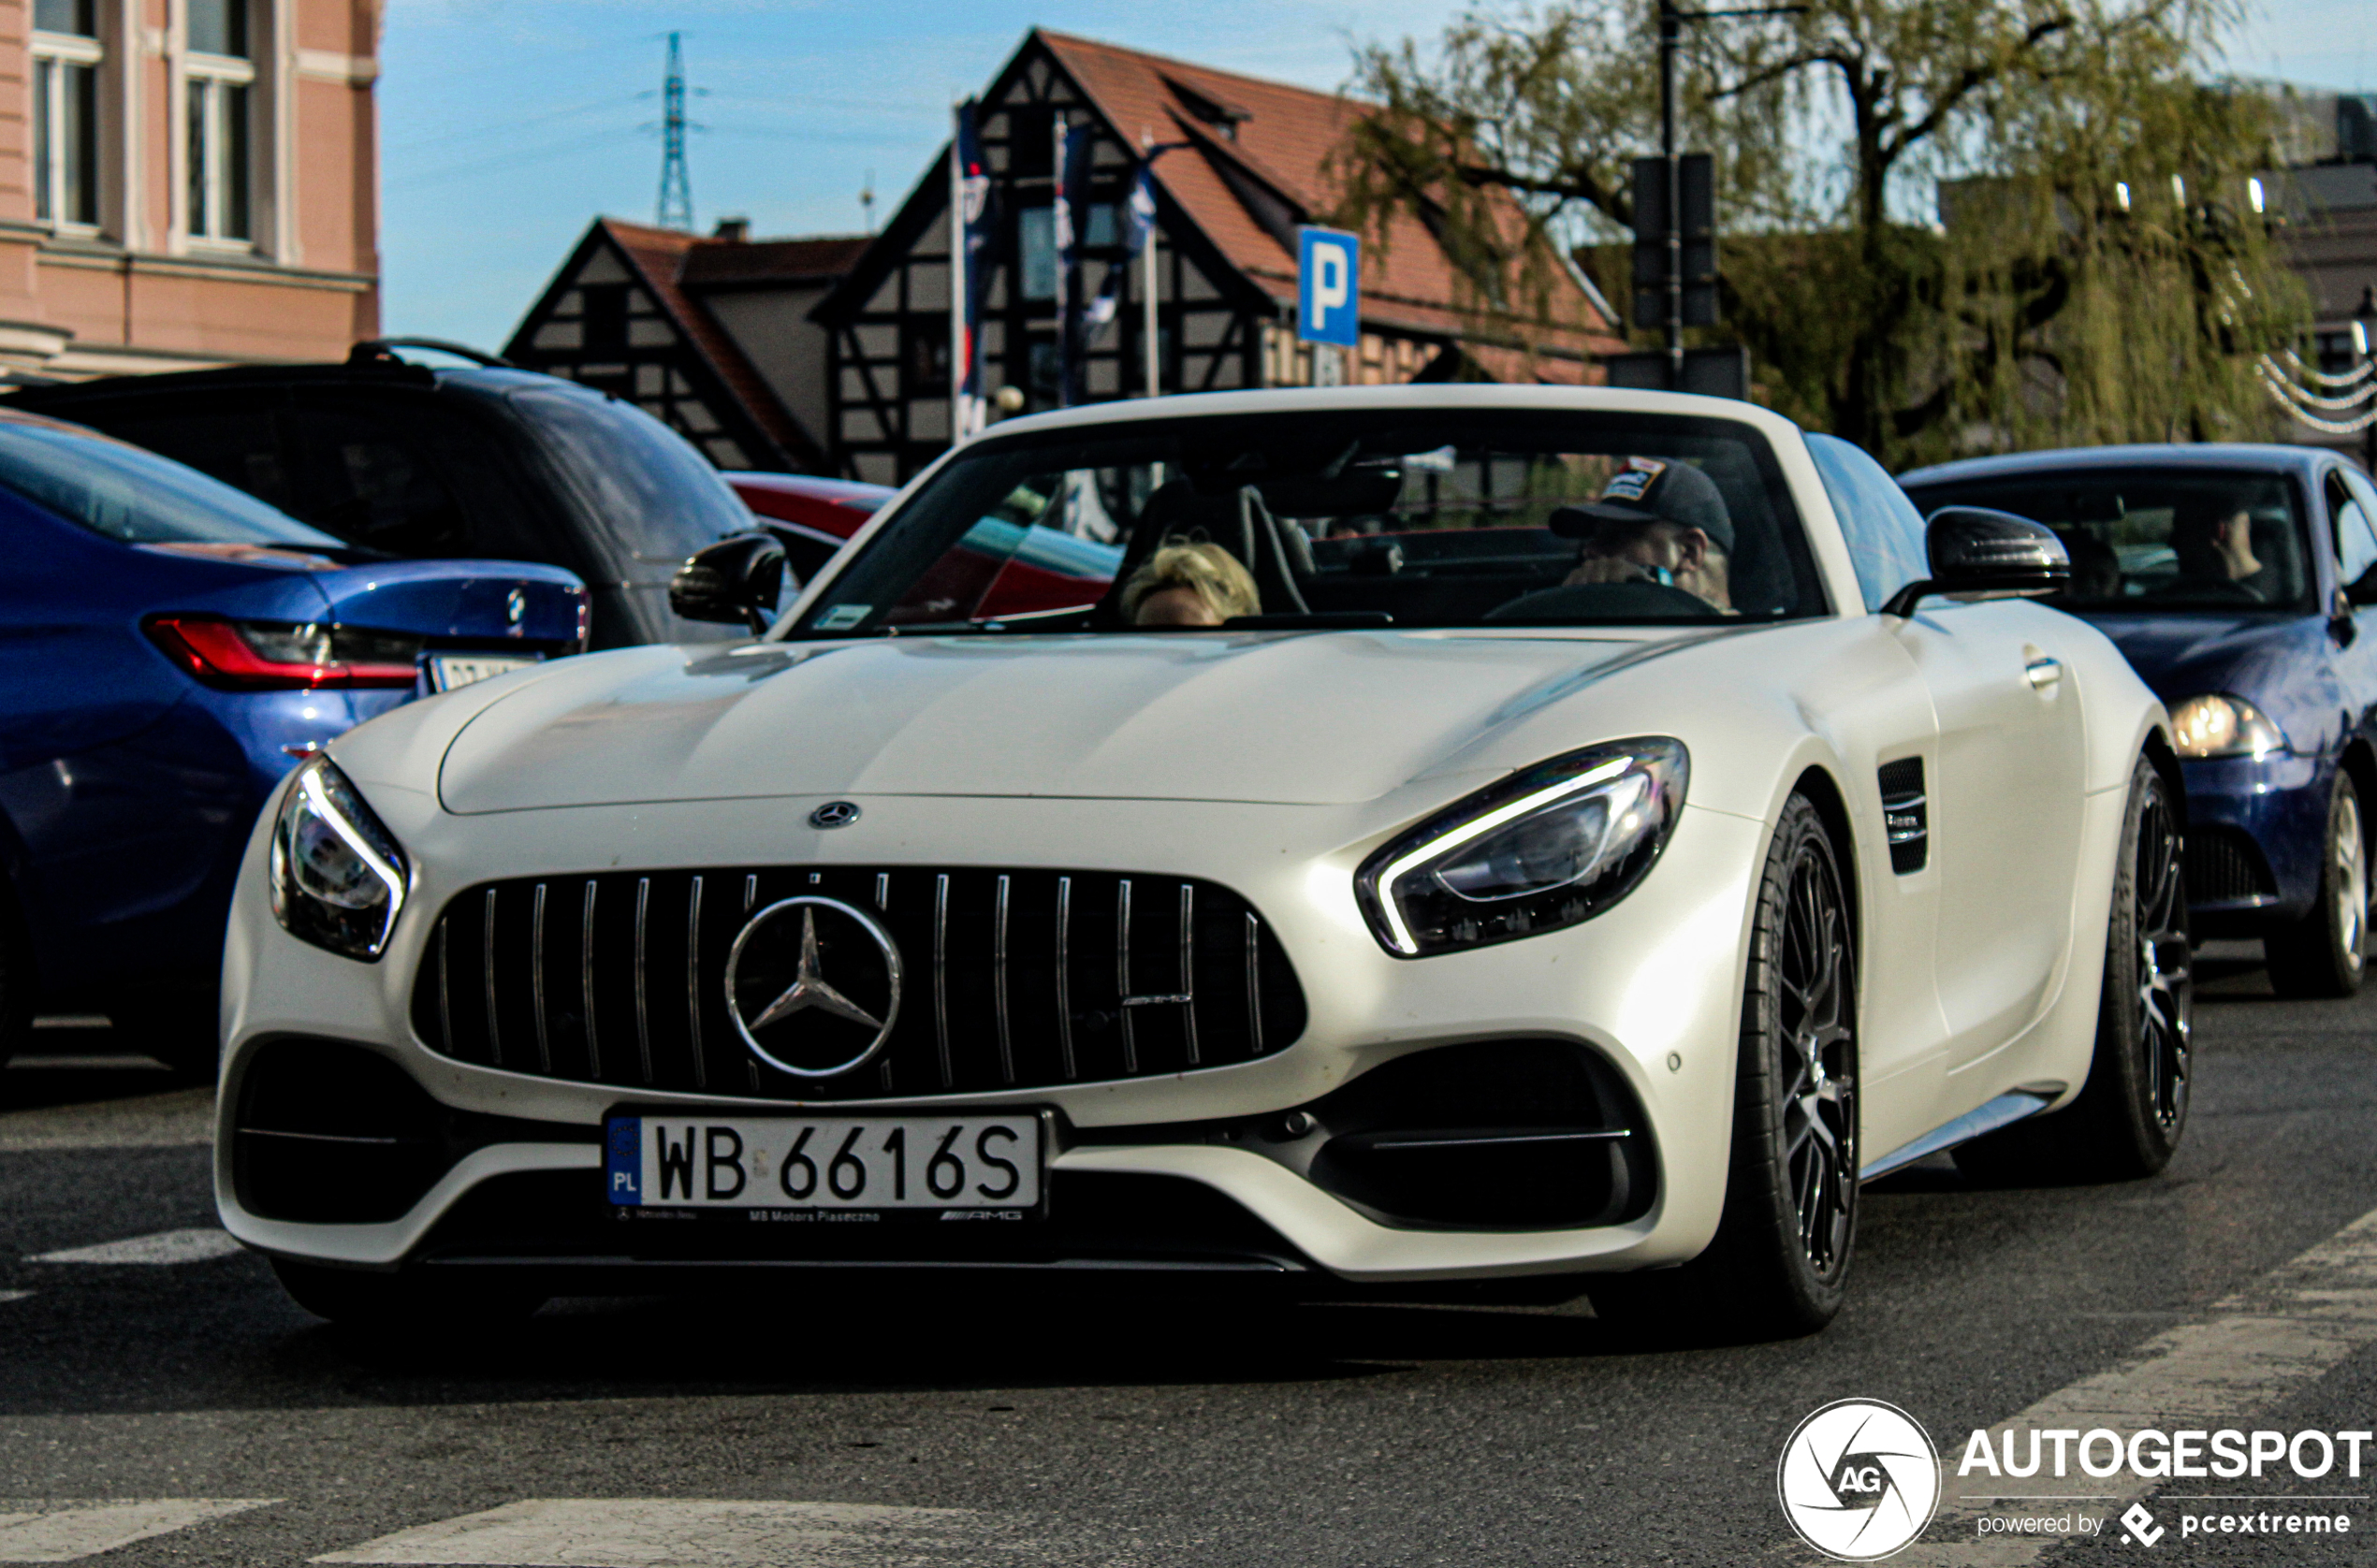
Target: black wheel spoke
1815, 1055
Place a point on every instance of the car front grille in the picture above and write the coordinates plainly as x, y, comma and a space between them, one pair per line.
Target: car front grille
1007, 978
2223, 866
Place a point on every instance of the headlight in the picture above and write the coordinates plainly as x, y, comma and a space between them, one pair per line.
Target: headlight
338, 876
1553, 845
2216, 726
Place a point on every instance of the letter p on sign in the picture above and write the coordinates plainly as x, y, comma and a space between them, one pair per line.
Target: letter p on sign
1328, 291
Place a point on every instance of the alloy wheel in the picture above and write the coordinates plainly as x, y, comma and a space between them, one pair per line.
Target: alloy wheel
2165, 964
1819, 1098
2352, 876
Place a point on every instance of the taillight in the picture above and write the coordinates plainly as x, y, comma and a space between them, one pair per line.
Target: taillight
247, 655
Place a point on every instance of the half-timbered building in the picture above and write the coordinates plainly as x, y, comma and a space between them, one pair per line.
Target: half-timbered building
710, 334
1239, 164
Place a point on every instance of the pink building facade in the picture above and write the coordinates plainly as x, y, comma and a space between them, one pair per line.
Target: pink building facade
186, 183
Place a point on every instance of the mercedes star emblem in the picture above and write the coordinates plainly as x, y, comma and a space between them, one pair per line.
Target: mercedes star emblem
812, 985
834, 814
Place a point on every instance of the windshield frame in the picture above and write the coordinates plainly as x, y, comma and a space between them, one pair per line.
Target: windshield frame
1806, 561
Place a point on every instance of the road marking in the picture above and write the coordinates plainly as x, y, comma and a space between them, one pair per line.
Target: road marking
2277, 1335
181, 1118
166, 1246
63, 1532
678, 1533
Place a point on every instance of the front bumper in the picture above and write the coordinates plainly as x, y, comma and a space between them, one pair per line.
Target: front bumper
2256, 836
1646, 993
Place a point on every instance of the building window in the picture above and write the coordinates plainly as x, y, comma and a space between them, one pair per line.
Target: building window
66, 113
221, 83
1036, 238
604, 314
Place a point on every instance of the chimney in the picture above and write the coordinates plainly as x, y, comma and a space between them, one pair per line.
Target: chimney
735, 231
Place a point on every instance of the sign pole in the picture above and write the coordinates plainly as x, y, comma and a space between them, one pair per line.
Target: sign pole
1670, 28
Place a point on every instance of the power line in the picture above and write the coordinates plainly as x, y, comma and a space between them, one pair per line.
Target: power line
677, 186
475, 132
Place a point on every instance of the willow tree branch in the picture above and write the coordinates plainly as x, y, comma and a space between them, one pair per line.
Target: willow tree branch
1971, 79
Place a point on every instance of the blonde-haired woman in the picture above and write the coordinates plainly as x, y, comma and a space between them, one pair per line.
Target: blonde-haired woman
1190, 583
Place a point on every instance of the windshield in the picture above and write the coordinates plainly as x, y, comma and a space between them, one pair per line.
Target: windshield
138, 497
2211, 540
655, 498
1393, 517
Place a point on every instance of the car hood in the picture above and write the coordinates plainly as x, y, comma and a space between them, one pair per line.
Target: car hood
1261, 717
2185, 656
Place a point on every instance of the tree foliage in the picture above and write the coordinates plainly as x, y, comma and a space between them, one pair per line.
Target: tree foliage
1949, 226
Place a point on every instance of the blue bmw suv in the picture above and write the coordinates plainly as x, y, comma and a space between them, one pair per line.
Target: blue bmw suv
2239, 581
169, 648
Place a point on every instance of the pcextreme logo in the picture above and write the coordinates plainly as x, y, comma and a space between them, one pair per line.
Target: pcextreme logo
1859, 1479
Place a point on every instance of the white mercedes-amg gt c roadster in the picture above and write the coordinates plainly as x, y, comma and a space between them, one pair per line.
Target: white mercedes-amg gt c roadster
1373, 837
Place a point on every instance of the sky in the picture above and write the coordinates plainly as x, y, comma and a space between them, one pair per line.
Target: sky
507, 126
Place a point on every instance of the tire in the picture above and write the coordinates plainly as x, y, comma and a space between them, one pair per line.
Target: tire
17, 981
402, 1303
2127, 1120
1778, 1267
2322, 954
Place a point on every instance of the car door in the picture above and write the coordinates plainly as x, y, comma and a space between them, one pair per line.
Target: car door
2001, 783
2006, 808
2352, 518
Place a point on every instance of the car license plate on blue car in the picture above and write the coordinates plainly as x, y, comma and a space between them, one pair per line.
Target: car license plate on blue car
822, 1168
448, 671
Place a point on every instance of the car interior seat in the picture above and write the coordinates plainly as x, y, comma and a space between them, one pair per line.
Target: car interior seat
1240, 523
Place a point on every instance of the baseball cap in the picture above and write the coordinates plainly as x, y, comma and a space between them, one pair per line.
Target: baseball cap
1646, 490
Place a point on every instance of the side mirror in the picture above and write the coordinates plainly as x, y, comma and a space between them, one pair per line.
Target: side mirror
736, 580
1988, 554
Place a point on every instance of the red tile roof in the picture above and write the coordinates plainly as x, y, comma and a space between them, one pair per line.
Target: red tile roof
716, 261
1284, 141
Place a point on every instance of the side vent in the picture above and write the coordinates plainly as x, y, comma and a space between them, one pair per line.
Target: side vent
1905, 815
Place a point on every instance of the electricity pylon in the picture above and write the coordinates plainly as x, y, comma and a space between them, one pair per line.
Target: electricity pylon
677, 187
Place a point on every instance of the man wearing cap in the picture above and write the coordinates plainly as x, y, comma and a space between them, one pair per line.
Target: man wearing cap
1658, 520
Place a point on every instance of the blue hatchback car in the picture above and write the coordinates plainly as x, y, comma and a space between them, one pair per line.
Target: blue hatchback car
169, 647
2238, 580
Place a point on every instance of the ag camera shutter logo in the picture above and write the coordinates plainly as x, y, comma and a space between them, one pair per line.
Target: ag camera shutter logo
1859, 1480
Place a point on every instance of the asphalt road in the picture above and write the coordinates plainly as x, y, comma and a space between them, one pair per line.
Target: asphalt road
186, 1404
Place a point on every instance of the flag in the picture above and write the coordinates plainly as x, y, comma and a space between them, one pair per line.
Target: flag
1074, 154
1138, 224
970, 230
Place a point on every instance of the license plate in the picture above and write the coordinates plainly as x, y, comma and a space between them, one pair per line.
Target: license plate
450, 670
826, 1167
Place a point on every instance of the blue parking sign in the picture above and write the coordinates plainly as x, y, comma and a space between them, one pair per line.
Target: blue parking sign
1328, 286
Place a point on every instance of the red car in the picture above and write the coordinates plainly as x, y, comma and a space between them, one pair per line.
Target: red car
1009, 567
813, 516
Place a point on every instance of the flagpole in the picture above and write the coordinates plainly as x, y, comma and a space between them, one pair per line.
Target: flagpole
1060, 220
957, 420
1150, 345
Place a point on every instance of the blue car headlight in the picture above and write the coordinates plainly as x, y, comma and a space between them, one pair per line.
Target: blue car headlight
1553, 845
338, 876
2219, 725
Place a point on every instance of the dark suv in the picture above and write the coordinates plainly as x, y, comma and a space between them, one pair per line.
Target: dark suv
480, 461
